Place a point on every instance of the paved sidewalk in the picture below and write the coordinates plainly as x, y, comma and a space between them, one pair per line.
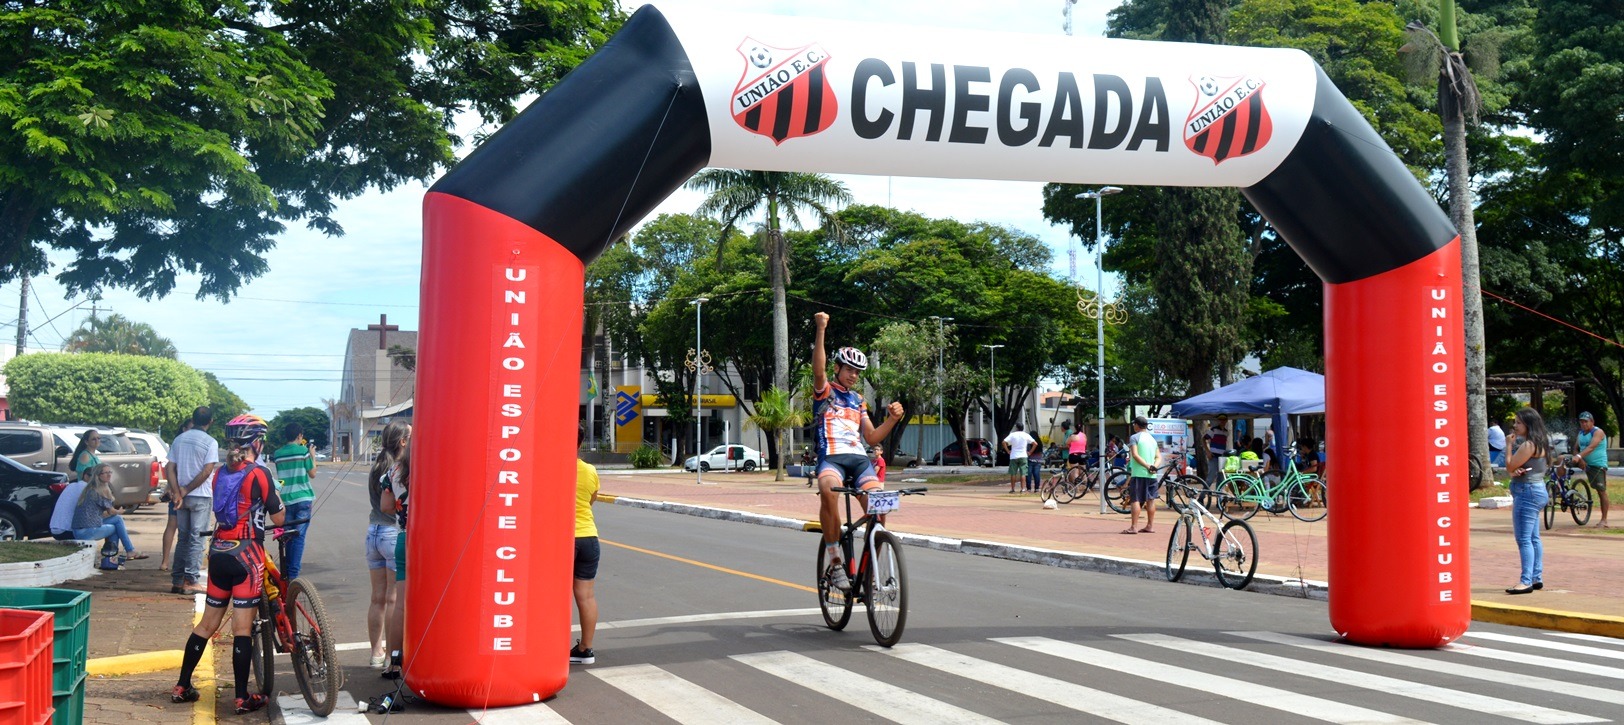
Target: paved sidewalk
1584, 572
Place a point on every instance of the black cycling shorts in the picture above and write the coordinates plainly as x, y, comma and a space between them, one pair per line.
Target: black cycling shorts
237, 571
1075, 459
853, 469
586, 557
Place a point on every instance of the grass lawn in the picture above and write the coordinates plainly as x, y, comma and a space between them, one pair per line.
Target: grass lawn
12, 552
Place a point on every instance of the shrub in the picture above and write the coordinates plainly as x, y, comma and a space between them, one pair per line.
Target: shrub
104, 388
646, 456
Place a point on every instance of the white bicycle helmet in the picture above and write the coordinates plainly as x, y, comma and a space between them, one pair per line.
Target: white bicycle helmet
852, 357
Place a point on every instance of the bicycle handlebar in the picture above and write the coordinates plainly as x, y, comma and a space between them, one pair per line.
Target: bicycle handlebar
918, 490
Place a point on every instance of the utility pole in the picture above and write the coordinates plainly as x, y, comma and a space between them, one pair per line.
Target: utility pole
22, 318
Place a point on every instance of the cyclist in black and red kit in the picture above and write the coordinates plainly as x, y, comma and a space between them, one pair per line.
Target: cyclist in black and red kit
244, 500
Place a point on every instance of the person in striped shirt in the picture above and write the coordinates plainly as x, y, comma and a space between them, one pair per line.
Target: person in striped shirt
294, 469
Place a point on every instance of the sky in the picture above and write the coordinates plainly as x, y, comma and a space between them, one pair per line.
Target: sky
280, 342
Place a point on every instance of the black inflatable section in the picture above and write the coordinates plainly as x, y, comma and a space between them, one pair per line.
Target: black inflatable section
1344, 201
599, 151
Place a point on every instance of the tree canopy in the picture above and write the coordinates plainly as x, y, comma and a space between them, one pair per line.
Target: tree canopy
119, 334
104, 389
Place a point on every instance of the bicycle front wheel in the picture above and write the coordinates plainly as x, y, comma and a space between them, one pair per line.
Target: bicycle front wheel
264, 636
1580, 498
1553, 498
1235, 555
835, 604
887, 590
1301, 502
1240, 497
315, 656
1178, 549
1117, 491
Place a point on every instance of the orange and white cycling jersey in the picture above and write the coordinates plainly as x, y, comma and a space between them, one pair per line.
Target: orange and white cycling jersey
838, 414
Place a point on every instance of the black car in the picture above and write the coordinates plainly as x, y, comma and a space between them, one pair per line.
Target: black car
27, 498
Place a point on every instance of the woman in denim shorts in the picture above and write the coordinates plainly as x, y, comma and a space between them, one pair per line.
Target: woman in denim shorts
382, 533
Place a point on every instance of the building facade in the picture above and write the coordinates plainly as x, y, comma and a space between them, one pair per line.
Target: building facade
377, 388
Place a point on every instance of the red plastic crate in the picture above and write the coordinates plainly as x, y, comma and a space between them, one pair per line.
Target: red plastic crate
25, 666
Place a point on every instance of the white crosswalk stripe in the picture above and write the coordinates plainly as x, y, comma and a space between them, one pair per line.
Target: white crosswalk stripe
1447, 667
876, 696
1430, 693
675, 697
1108, 705
534, 714
1577, 649
1261, 695
1524, 658
1616, 642
295, 711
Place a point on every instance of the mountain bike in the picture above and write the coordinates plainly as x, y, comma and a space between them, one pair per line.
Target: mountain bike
873, 562
1072, 482
1119, 493
1570, 491
1230, 545
1303, 494
292, 620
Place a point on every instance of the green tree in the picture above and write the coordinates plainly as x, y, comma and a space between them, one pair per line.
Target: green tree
902, 368
404, 357
223, 405
118, 334
733, 195
776, 413
314, 420
125, 390
154, 139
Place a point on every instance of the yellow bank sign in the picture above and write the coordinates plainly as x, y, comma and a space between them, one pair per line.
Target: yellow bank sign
705, 401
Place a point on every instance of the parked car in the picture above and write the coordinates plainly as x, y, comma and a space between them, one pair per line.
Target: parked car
898, 459
44, 447
953, 455
728, 458
146, 442
27, 498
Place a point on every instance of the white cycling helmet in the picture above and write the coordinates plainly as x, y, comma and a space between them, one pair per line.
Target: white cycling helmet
852, 357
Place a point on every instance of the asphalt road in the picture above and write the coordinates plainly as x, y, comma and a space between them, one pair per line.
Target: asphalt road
987, 640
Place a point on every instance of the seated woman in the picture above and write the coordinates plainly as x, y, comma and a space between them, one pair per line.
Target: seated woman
95, 518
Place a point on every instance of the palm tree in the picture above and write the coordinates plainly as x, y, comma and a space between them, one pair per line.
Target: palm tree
733, 194
119, 334
776, 413
1458, 104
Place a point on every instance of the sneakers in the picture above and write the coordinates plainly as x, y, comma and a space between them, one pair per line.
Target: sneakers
837, 576
580, 656
183, 693
251, 703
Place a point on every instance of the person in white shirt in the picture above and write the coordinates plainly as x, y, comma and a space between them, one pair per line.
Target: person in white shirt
196, 454
1497, 445
1017, 443
62, 515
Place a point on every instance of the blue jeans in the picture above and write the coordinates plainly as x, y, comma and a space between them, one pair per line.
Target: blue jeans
112, 526
1527, 500
296, 544
1034, 473
191, 517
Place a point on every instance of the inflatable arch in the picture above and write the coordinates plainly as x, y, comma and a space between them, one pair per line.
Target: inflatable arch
507, 233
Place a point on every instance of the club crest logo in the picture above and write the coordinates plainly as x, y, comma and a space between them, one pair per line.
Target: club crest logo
783, 92
1229, 119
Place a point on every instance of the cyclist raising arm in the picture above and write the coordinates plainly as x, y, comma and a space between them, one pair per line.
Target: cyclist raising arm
844, 433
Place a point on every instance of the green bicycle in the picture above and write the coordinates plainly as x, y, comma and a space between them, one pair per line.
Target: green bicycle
1303, 494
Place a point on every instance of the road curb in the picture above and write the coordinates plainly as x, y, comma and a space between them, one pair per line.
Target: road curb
135, 664
1262, 583
1537, 618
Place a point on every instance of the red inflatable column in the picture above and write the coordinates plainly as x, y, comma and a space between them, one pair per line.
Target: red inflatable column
1396, 441
491, 535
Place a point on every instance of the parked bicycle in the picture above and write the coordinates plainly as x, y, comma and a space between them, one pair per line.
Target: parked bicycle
1303, 494
1230, 545
1569, 491
1173, 469
873, 561
293, 621
1072, 482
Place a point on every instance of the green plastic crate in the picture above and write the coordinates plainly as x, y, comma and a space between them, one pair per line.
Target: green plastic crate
71, 610
70, 704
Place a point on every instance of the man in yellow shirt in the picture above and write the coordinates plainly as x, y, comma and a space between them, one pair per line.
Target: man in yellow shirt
586, 556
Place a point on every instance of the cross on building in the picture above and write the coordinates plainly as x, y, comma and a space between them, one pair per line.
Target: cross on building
383, 327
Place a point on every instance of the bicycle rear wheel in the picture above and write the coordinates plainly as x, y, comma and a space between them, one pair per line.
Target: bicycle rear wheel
1553, 498
1072, 485
1240, 497
1300, 502
887, 590
1178, 549
1052, 489
835, 604
1235, 554
315, 656
1580, 499
264, 660
1117, 491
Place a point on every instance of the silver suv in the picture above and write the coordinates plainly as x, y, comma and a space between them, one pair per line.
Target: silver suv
45, 447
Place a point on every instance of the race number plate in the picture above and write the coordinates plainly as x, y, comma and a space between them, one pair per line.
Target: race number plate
883, 502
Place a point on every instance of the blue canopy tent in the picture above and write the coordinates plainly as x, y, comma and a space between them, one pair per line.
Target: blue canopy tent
1275, 394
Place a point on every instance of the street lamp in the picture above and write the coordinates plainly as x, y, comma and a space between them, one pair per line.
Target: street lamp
941, 347
992, 389
1098, 195
699, 362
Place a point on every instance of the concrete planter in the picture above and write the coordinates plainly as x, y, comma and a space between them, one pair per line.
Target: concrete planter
77, 562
